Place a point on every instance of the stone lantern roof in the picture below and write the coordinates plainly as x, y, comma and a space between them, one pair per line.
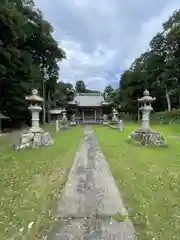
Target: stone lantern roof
146, 97
2, 116
34, 97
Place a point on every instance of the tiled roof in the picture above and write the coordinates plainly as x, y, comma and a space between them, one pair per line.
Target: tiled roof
88, 100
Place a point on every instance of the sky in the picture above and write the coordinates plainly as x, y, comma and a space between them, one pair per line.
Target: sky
102, 38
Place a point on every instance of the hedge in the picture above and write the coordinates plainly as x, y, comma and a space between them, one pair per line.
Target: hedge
166, 117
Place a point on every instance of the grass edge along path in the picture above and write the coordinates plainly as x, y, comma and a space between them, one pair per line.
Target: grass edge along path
31, 181
148, 179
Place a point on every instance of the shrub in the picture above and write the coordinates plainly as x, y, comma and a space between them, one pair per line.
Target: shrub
166, 117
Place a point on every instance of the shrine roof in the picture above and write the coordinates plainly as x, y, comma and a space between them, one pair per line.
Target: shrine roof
89, 100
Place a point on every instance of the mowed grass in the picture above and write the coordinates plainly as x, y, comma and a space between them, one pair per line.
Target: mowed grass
31, 181
148, 179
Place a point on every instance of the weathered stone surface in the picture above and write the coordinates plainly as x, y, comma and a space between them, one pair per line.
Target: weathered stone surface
34, 140
148, 137
145, 135
90, 198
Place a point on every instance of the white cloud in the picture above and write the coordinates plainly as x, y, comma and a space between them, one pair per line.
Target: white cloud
103, 38
80, 64
148, 30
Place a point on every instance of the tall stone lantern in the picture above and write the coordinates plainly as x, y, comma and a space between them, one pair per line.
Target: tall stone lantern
145, 135
34, 136
35, 109
146, 108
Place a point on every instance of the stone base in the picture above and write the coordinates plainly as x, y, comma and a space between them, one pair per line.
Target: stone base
35, 130
105, 123
63, 127
73, 123
114, 124
34, 140
147, 137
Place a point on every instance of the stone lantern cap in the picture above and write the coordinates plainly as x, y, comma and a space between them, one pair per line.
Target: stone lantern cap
146, 97
34, 97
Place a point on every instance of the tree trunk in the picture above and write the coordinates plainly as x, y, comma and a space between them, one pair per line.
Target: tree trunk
44, 103
49, 101
139, 113
168, 101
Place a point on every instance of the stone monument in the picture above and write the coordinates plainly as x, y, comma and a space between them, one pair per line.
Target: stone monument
105, 119
64, 124
114, 123
121, 125
35, 136
57, 125
145, 135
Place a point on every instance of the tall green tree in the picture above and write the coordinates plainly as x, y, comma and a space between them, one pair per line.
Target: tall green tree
157, 69
80, 87
29, 56
108, 93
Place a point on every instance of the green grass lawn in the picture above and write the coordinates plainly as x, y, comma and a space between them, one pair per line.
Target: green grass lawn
148, 178
31, 181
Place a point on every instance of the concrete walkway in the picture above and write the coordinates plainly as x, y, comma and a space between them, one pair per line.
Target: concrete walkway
89, 198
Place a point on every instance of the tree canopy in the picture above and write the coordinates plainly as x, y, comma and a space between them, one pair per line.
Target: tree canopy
158, 69
29, 56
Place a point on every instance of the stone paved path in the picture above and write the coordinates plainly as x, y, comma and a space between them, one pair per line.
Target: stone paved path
90, 196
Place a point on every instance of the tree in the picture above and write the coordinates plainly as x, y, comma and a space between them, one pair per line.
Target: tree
80, 87
108, 93
158, 69
29, 56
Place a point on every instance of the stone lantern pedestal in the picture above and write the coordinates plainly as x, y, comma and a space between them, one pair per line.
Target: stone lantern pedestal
145, 135
35, 136
35, 110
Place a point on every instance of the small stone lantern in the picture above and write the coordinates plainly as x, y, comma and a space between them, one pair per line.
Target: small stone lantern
35, 109
115, 115
64, 124
146, 108
114, 123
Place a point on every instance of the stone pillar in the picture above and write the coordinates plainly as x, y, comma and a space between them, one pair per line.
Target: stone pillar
145, 108
83, 116
145, 118
57, 125
35, 110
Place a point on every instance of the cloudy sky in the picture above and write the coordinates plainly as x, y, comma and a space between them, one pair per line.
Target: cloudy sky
103, 37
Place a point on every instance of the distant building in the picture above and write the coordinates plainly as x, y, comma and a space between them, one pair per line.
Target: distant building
90, 107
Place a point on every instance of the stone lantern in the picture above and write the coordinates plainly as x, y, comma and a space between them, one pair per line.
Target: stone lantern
145, 135
35, 109
64, 123
35, 136
146, 108
115, 115
114, 123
